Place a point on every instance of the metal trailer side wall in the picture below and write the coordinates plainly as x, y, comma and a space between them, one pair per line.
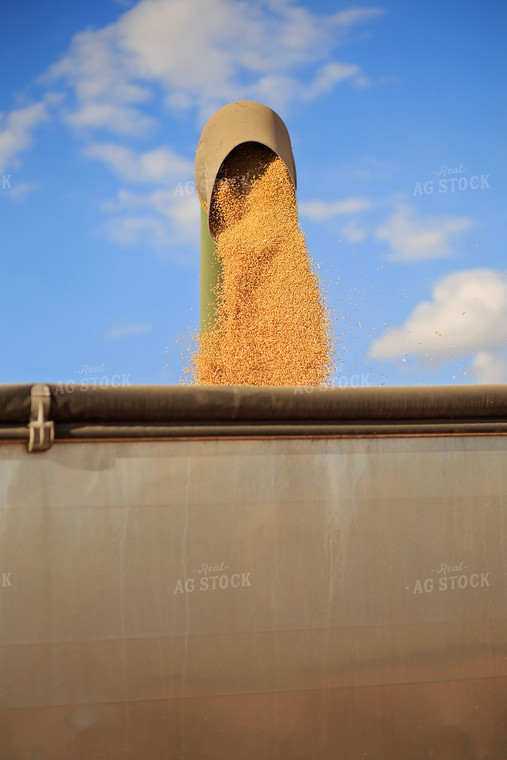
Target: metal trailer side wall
292, 585
275, 598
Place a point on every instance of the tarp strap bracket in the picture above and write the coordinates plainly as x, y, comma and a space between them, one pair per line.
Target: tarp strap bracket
41, 430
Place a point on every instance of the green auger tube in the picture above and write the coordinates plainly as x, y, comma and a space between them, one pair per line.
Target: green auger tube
211, 271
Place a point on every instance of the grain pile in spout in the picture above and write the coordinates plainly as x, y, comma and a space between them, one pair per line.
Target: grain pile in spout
272, 326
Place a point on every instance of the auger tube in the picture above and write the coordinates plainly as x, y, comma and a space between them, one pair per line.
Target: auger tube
236, 123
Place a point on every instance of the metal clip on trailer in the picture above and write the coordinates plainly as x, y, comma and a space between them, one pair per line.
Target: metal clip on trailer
231, 126
227, 573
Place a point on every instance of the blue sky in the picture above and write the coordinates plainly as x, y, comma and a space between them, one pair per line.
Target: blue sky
397, 115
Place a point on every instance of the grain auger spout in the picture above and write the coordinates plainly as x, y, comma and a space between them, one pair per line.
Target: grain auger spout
235, 126
263, 316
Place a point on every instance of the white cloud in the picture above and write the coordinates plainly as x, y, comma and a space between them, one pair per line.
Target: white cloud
278, 90
329, 75
352, 233
123, 331
321, 211
22, 190
126, 120
98, 69
354, 16
159, 166
140, 230
201, 53
185, 214
468, 314
158, 201
16, 129
413, 238
167, 217
490, 368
